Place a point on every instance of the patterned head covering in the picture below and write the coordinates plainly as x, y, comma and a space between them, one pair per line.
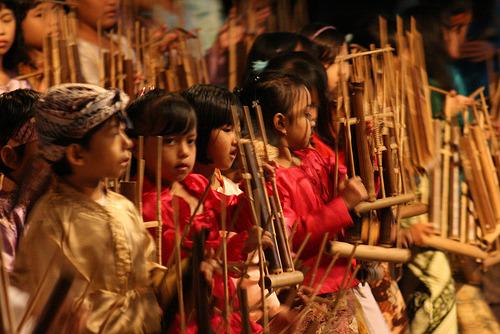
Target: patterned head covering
67, 112
24, 135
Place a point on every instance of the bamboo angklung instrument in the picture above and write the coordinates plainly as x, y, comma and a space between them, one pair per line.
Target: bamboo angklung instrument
370, 97
281, 269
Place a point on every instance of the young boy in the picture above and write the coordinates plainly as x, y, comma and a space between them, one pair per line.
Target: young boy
81, 227
18, 148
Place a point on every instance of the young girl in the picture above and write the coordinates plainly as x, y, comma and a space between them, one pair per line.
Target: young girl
306, 190
11, 49
312, 72
38, 19
216, 149
169, 115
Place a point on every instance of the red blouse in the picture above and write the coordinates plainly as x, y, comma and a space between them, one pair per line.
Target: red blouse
209, 218
306, 194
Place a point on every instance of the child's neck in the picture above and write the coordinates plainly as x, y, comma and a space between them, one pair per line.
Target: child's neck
285, 157
93, 189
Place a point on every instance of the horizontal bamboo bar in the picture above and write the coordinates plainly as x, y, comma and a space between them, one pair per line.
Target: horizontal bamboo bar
284, 279
413, 210
151, 224
339, 59
456, 247
365, 207
371, 253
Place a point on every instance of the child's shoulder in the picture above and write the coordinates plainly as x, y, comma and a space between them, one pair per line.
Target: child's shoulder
195, 183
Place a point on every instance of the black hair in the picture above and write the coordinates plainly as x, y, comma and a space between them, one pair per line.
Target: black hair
269, 45
212, 105
276, 92
17, 53
158, 113
16, 108
328, 42
312, 72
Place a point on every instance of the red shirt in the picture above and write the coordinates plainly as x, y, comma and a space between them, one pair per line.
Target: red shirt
306, 194
209, 218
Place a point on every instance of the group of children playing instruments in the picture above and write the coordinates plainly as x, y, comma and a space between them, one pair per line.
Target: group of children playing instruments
224, 182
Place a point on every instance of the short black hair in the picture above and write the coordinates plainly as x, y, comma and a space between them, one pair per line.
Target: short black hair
276, 92
212, 105
16, 108
158, 113
17, 53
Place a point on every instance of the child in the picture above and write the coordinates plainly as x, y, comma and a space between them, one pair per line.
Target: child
11, 48
38, 19
18, 147
305, 185
91, 14
80, 227
216, 145
160, 114
312, 72
216, 149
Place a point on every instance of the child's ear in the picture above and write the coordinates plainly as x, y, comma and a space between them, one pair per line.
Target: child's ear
279, 122
9, 157
74, 155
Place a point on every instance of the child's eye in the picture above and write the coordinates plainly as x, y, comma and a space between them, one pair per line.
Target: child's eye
227, 128
191, 141
169, 140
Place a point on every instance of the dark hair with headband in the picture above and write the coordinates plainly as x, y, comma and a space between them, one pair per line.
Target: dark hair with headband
327, 38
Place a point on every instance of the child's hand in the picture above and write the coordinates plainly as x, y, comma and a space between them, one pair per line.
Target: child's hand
269, 170
209, 266
416, 234
353, 192
455, 103
252, 242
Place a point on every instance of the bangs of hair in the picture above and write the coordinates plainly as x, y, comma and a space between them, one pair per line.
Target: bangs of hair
158, 113
212, 105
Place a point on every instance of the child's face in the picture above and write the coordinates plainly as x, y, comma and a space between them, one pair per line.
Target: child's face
178, 156
108, 153
7, 29
91, 12
299, 123
39, 23
222, 147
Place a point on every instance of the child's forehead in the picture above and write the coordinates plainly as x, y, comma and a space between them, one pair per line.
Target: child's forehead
4, 9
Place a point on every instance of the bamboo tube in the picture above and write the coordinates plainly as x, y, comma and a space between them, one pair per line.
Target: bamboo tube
456, 247
159, 218
140, 172
339, 59
445, 188
489, 171
227, 311
474, 176
371, 253
318, 257
365, 207
178, 267
412, 210
463, 212
233, 75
